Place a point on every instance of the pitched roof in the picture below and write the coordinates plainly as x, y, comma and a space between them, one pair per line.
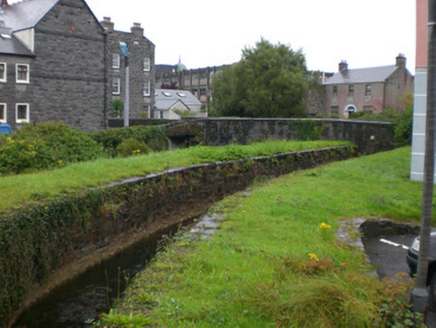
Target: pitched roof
362, 75
166, 98
26, 14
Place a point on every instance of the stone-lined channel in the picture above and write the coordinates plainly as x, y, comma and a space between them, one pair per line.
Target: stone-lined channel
81, 300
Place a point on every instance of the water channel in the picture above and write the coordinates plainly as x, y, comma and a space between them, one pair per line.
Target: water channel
80, 301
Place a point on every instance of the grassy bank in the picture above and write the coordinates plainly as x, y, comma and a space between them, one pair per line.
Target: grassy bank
275, 262
24, 188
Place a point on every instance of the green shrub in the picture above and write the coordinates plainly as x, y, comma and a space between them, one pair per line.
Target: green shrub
47, 145
130, 147
153, 136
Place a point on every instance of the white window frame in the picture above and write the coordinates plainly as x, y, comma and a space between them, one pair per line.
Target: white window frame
116, 61
146, 90
5, 73
25, 81
147, 64
118, 80
4, 109
22, 120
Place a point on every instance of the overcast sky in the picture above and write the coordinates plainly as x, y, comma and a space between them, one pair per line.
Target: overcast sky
211, 33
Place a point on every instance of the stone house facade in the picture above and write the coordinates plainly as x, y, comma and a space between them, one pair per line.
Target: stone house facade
141, 69
368, 89
65, 65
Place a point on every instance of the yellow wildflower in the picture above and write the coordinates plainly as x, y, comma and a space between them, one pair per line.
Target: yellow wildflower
312, 256
60, 161
324, 226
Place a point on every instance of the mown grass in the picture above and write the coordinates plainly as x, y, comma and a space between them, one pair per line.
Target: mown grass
275, 262
24, 188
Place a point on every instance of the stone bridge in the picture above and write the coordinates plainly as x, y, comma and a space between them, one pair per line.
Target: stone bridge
368, 136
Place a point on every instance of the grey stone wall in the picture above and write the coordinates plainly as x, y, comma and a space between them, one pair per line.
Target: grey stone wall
68, 80
12, 93
368, 136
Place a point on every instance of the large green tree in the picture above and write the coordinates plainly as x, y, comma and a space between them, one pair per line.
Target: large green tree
269, 81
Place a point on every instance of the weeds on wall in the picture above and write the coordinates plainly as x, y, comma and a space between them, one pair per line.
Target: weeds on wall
307, 129
39, 239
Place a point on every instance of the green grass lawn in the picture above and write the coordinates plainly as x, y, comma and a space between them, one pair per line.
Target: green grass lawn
17, 190
275, 262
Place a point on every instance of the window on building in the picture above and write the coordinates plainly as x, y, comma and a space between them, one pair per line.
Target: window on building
351, 91
22, 73
115, 60
368, 109
335, 110
368, 90
202, 92
147, 64
146, 88
3, 72
22, 113
116, 87
3, 113
335, 91
161, 114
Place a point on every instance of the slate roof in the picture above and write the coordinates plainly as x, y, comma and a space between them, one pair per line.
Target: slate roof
171, 97
12, 46
362, 75
26, 14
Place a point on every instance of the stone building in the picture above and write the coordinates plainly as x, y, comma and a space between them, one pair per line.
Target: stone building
175, 104
141, 69
56, 65
368, 89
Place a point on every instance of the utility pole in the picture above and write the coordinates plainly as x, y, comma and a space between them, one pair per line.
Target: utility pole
126, 53
419, 298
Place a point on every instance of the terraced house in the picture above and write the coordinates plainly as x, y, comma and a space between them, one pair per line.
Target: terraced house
56, 64
369, 89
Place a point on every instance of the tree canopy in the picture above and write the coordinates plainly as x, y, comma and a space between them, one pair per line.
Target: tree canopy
269, 81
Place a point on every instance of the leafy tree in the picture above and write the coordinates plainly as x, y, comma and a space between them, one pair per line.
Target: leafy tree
269, 81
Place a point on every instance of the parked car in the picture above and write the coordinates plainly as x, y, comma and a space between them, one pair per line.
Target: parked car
412, 257
5, 129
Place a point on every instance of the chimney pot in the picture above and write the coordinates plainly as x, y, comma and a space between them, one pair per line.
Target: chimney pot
137, 30
401, 61
343, 65
107, 24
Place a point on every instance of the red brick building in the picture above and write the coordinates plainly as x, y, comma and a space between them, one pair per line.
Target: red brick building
368, 89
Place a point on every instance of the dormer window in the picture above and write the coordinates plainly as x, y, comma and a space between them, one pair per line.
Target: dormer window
22, 73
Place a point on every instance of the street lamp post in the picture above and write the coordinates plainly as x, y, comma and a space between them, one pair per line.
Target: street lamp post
126, 53
419, 297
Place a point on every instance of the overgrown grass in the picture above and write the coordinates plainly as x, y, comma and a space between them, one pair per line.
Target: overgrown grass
275, 262
20, 189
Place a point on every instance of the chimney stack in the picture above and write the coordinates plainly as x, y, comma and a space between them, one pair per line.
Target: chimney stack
137, 30
401, 61
107, 24
343, 65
